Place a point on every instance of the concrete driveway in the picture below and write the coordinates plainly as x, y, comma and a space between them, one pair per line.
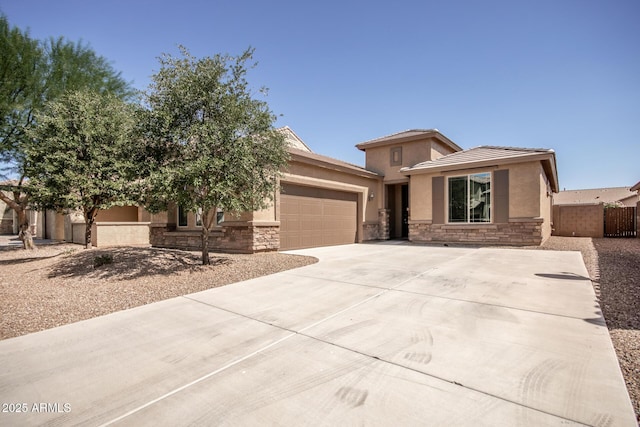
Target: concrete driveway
374, 334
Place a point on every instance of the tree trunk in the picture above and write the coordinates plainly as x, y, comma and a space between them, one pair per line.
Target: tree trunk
19, 205
24, 233
208, 220
205, 244
89, 219
87, 235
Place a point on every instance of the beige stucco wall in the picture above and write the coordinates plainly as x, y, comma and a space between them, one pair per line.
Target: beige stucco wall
267, 215
120, 234
302, 174
378, 159
163, 217
77, 233
578, 220
420, 201
527, 192
118, 214
546, 205
54, 228
524, 189
630, 201
439, 150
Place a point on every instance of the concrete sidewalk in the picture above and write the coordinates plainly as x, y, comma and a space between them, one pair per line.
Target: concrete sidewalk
374, 334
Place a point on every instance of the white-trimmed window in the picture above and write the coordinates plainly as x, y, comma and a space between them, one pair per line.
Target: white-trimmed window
188, 219
469, 198
183, 217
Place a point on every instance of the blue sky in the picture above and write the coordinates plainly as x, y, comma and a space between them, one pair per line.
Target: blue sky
561, 74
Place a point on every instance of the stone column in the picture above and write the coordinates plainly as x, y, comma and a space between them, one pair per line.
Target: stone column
383, 223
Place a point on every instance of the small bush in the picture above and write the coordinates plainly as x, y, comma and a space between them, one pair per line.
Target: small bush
101, 260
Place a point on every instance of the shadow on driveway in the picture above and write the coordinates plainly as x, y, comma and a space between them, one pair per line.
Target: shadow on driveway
563, 275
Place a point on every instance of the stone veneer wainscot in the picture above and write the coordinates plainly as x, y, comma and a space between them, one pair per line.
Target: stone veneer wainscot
521, 232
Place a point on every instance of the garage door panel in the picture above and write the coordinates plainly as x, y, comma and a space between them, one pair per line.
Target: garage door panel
310, 208
311, 217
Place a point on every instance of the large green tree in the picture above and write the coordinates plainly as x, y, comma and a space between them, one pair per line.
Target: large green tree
83, 155
213, 140
22, 72
34, 72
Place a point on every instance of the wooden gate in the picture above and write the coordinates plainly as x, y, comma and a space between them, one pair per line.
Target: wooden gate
620, 222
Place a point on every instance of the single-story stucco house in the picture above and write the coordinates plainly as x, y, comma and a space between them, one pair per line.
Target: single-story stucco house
416, 185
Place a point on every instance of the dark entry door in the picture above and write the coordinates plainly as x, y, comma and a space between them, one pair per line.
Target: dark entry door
398, 203
405, 211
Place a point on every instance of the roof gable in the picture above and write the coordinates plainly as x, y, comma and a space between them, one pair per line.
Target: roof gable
293, 140
407, 136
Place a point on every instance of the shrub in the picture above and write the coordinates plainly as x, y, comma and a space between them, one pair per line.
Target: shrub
101, 260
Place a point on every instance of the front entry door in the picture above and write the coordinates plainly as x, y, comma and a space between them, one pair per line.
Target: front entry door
405, 211
398, 204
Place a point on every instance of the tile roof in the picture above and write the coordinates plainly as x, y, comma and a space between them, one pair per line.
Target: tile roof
398, 135
485, 153
489, 156
592, 196
408, 135
301, 152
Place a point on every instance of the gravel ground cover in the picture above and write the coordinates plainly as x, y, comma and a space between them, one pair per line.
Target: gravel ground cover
61, 284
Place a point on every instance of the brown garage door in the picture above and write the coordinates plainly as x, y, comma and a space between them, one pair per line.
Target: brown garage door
311, 217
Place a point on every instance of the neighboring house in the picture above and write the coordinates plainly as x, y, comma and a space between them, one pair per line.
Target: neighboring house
6, 217
621, 196
580, 213
416, 184
9, 217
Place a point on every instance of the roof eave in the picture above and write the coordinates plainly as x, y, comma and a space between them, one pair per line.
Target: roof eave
316, 160
552, 171
548, 160
363, 146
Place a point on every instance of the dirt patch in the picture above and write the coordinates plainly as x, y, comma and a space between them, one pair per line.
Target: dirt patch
61, 284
